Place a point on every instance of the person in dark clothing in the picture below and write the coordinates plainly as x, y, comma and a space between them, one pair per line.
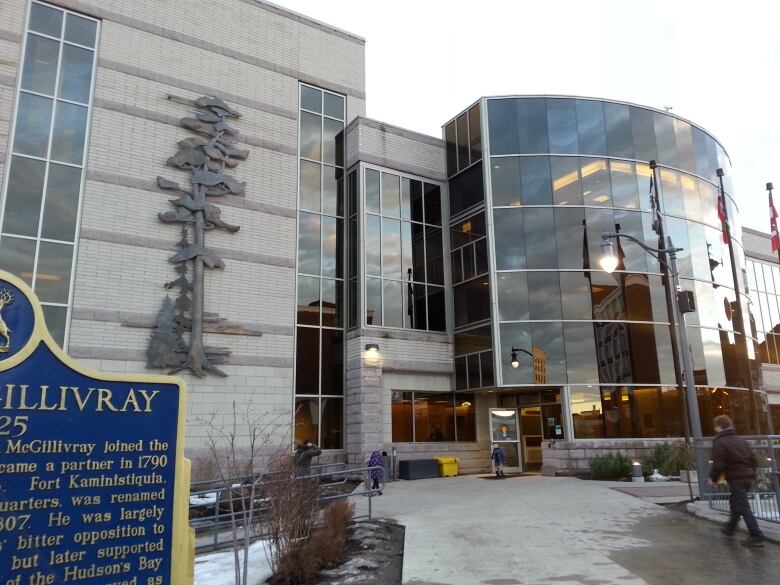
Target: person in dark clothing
499, 459
305, 452
733, 459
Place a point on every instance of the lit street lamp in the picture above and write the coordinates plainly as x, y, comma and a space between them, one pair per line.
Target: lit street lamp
516, 363
683, 302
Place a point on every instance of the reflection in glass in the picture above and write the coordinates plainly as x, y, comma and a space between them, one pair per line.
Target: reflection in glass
512, 296
33, 119
80, 30
62, 201
643, 131
332, 142
23, 198
332, 247
535, 180
311, 136
334, 106
509, 246
463, 141
473, 340
310, 186
46, 20
373, 245
595, 182
434, 255
475, 138
332, 362
76, 74
70, 128
665, 139
544, 295
308, 300
52, 275
466, 190
562, 126
575, 295
590, 127
505, 181
418, 252
452, 154
432, 204
416, 196
332, 190
373, 301
619, 138
624, 184
40, 64
571, 239
581, 364
391, 248
516, 335
685, 155
406, 198
311, 99
472, 302
56, 319
390, 195
549, 360
539, 235
433, 417
474, 378
565, 172
372, 191
308, 243
671, 192
17, 256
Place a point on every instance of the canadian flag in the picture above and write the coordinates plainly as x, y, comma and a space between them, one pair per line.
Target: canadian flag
773, 225
724, 220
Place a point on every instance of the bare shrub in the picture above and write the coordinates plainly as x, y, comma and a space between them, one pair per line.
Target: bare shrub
330, 538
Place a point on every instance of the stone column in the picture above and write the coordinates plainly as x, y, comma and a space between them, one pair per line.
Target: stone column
364, 423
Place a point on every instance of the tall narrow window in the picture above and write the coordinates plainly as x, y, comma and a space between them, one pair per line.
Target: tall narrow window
46, 161
319, 353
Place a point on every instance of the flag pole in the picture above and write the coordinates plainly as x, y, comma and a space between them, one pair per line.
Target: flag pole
741, 338
659, 228
770, 187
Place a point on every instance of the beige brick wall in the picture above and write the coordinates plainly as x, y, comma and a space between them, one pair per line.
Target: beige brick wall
254, 55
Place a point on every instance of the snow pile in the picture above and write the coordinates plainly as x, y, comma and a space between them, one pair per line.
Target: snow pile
204, 499
218, 568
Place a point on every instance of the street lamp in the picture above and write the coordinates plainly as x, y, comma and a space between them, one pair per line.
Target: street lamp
516, 363
682, 302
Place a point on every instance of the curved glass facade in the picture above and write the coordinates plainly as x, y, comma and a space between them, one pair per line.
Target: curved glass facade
561, 172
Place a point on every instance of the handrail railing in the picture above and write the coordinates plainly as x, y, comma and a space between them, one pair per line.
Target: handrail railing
224, 502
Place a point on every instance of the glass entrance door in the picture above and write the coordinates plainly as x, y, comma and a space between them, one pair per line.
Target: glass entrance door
504, 431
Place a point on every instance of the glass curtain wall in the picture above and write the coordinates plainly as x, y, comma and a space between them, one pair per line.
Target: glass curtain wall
404, 251
425, 417
563, 171
45, 168
319, 342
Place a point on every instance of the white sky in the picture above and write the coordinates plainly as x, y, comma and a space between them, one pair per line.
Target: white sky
717, 63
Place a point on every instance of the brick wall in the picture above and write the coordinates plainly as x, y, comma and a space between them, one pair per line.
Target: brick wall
252, 54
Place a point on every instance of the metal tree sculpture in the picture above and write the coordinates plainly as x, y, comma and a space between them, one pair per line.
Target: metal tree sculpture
206, 156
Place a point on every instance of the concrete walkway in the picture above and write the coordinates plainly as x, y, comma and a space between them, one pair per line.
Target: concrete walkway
559, 531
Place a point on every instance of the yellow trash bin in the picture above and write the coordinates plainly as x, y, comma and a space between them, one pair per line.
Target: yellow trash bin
448, 466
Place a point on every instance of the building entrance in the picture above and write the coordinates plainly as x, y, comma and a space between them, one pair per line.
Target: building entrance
538, 416
504, 431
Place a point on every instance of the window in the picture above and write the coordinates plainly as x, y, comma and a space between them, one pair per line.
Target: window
404, 254
463, 138
47, 159
426, 417
474, 358
319, 345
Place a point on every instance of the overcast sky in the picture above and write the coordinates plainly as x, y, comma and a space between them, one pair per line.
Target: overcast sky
716, 63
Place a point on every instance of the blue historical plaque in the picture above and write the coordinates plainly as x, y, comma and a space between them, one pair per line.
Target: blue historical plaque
91, 464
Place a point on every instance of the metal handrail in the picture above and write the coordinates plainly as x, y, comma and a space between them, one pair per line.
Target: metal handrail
225, 511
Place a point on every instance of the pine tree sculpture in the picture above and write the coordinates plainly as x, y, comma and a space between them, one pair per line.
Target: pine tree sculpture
206, 156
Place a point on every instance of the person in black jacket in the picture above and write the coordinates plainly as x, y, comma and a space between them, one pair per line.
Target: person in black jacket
733, 458
305, 452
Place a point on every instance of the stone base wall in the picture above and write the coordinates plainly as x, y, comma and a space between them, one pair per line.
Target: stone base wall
573, 457
473, 457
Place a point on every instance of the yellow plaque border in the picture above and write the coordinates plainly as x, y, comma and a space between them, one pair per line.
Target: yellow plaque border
183, 539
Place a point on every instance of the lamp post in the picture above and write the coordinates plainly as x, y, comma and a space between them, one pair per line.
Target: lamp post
682, 303
516, 363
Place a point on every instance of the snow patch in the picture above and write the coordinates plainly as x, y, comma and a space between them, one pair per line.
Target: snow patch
218, 568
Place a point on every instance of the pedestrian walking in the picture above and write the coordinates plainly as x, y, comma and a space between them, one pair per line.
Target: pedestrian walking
733, 459
305, 452
376, 474
498, 458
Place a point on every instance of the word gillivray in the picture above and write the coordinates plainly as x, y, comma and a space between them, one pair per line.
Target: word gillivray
26, 397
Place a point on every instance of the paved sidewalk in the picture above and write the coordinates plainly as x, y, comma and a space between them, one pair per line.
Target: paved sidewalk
559, 531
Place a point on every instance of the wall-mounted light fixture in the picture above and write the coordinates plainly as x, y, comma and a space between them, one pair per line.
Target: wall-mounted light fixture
372, 348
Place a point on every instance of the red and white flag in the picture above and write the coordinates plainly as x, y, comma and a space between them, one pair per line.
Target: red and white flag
773, 225
724, 220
